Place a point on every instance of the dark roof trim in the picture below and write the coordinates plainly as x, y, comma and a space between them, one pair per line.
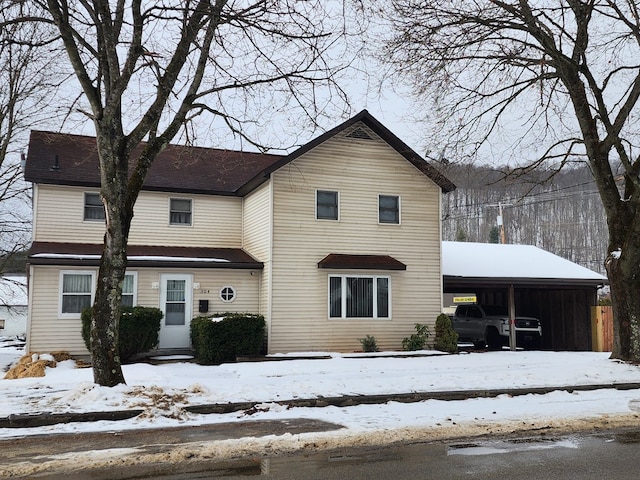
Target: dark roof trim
84, 254
361, 262
450, 281
383, 132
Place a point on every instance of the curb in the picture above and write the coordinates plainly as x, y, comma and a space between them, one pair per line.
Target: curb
43, 419
25, 420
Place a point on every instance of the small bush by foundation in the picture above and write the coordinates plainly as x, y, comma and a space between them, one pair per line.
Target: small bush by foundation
138, 332
221, 337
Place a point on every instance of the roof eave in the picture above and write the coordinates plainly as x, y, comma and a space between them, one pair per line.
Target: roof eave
522, 281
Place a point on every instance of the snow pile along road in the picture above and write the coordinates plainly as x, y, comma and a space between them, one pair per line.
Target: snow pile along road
162, 392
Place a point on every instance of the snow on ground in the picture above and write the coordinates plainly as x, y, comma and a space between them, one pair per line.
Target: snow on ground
162, 391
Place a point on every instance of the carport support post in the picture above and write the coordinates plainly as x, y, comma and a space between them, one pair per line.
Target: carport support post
512, 318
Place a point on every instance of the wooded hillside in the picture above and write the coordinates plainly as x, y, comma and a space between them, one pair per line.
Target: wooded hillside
561, 213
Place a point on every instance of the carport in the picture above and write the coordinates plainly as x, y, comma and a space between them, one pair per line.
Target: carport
557, 291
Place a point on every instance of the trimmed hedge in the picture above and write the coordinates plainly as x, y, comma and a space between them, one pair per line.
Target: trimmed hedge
138, 331
219, 341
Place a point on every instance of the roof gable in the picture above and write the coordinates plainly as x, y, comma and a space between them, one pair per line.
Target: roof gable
381, 131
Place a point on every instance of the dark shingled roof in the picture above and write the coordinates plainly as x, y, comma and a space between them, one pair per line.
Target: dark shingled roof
53, 253
65, 159
361, 262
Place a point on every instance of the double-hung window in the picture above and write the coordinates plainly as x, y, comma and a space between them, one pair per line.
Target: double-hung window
180, 211
93, 207
129, 289
76, 292
359, 296
389, 209
326, 205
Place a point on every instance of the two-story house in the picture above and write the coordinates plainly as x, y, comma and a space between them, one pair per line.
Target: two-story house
338, 240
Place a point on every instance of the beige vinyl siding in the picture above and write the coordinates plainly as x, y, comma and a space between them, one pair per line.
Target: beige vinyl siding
257, 239
59, 216
256, 222
211, 281
359, 170
49, 333
216, 220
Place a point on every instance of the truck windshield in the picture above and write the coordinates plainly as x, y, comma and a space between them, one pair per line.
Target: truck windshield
495, 310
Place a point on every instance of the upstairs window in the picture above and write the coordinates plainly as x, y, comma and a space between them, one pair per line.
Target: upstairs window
326, 205
180, 211
93, 207
389, 209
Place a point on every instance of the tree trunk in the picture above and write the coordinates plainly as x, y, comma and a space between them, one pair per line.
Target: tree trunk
107, 307
624, 281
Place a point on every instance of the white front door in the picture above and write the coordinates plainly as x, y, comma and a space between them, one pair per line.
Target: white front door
176, 302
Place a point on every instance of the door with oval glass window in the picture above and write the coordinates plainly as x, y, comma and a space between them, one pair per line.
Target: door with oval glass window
176, 302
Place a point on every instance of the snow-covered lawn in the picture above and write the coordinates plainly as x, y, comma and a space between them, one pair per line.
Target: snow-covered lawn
162, 391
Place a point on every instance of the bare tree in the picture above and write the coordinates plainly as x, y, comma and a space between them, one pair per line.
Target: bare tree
26, 86
148, 69
557, 80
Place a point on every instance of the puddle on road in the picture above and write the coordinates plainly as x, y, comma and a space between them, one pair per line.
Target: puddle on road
628, 437
510, 446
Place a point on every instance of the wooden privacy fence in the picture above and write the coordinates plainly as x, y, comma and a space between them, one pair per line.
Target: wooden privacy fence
602, 328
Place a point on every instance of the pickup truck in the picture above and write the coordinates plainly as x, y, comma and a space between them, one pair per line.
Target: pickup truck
488, 325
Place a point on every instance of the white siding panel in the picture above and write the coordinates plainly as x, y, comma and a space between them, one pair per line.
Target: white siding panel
217, 220
359, 170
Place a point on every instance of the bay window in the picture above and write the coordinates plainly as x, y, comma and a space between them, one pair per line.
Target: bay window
359, 296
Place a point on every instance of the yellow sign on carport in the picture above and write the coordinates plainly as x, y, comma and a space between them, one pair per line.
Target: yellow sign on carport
467, 299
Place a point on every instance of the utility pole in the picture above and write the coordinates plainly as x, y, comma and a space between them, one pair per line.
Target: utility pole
503, 238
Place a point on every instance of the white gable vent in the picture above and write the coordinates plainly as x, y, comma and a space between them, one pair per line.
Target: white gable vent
360, 134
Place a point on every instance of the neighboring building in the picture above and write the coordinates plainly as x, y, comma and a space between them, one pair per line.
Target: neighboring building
13, 305
336, 241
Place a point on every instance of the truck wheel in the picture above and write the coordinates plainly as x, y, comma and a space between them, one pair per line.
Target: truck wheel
493, 339
479, 345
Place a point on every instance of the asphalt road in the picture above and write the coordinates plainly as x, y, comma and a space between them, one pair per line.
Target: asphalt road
601, 456
76, 455
611, 455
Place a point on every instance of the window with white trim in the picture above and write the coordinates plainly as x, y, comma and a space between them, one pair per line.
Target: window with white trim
76, 292
227, 294
389, 209
130, 289
93, 207
327, 205
180, 211
359, 296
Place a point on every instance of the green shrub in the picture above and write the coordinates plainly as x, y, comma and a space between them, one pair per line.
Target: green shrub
446, 337
369, 343
417, 340
138, 330
218, 341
